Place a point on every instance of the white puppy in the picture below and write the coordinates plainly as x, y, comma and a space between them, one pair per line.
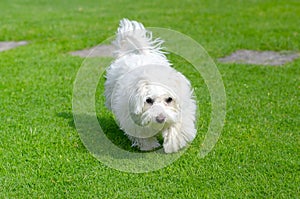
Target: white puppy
146, 95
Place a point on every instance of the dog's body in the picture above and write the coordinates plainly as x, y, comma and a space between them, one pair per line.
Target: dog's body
146, 95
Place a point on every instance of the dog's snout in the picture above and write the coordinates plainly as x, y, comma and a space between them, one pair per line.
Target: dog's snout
160, 118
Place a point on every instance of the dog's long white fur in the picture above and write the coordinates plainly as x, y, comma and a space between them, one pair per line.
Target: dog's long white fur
141, 70
132, 37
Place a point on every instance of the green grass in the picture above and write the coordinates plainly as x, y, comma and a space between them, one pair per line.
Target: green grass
41, 154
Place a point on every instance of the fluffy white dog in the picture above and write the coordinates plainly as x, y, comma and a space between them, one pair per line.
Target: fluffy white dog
146, 95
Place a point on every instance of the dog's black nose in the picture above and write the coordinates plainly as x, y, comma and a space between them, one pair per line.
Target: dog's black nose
160, 118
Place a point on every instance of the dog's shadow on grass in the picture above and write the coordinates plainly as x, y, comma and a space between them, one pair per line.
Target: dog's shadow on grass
109, 127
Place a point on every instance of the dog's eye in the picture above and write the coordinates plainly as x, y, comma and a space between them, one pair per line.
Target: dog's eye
169, 100
149, 100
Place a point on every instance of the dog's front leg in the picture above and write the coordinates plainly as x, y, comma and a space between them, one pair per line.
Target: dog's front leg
174, 140
144, 144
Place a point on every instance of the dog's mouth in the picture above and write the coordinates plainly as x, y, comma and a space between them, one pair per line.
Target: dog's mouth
143, 120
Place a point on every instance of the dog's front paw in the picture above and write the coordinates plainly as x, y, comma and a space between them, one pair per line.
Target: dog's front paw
173, 140
170, 148
145, 144
149, 146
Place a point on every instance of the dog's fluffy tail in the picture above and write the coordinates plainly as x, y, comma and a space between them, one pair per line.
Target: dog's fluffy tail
132, 37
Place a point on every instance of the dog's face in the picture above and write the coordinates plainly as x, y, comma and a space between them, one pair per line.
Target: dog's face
154, 105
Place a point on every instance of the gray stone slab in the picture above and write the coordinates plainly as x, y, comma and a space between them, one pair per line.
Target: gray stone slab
7, 45
270, 58
97, 51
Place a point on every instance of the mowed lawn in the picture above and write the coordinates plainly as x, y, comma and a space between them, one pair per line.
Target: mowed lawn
41, 154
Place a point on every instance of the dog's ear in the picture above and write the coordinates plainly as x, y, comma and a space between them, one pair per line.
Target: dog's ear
137, 99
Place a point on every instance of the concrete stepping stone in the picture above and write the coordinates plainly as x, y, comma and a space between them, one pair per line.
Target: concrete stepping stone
7, 45
270, 58
97, 51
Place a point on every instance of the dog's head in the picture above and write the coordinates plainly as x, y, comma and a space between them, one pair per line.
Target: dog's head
153, 104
